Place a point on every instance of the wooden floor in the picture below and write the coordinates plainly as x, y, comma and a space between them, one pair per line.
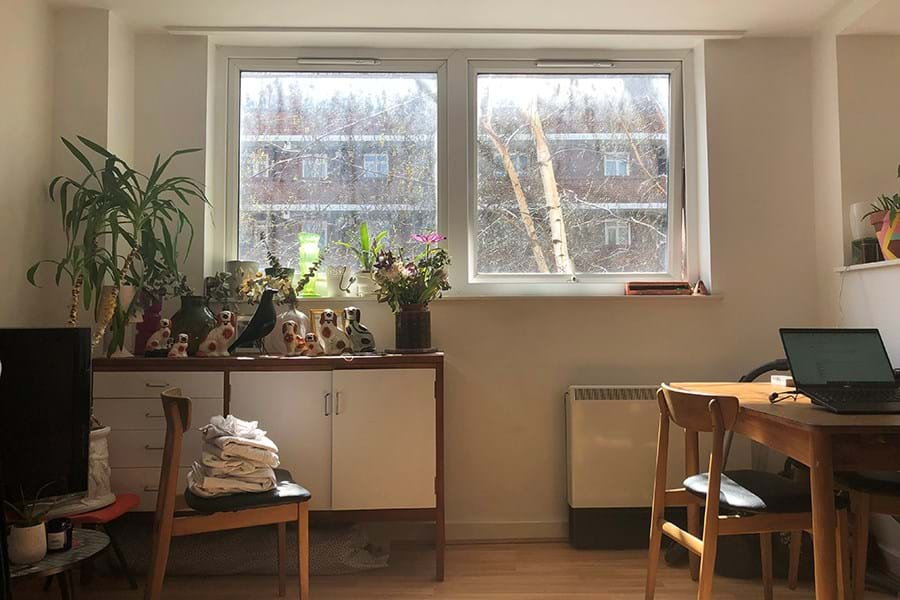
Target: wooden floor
551, 571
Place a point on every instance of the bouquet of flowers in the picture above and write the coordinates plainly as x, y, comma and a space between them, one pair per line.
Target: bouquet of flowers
403, 282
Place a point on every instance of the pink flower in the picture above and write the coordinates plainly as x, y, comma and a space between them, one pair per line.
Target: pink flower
428, 238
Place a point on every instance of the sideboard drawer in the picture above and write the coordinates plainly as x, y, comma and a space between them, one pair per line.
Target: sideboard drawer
146, 414
144, 483
149, 384
145, 448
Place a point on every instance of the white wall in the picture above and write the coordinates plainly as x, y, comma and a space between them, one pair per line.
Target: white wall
170, 114
120, 108
26, 42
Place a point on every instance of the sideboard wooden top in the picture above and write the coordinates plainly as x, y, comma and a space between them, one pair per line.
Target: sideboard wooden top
270, 363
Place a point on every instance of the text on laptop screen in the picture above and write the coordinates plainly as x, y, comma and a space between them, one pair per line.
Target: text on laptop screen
839, 356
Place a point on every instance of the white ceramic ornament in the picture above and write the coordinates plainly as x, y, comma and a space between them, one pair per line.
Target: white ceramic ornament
160, 338
218, 340
179, 348
361, 339
332, 338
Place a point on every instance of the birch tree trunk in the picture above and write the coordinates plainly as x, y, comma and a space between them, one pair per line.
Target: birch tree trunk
551, 194
524, 211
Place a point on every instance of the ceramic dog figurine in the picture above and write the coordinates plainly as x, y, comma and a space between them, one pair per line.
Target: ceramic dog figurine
332, 338
160, 338
179, 348
294, 343
361, 339
216, 343
311, 346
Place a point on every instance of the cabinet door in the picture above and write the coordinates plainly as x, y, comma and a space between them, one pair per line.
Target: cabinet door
294, 408
383, 449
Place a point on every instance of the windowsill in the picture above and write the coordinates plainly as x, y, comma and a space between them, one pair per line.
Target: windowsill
875, 265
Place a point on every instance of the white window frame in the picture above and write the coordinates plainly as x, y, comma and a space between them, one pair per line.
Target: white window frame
376, 157
314, 168
237, 59
618, 226
456, 71
614, 158
561, 284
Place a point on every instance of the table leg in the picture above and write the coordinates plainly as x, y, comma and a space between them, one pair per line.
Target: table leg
823, 516
65, 589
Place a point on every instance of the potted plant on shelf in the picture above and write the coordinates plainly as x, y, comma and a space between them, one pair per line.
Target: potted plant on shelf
885, 218
409, 286
366, 250
120, 227
27, 540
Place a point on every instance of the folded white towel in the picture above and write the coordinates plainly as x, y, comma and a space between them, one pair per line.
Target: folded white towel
226, 450
204, 485
235, 427
219, 467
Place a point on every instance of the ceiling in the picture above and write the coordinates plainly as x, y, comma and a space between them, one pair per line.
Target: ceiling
755, 17
881, 19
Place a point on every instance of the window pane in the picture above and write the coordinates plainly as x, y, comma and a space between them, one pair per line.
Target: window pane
323, 152
572, 173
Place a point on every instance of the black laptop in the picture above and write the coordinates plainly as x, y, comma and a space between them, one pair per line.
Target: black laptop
844, 370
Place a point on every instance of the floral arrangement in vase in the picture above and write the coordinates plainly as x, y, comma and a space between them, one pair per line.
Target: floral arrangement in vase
409, 285
885, 219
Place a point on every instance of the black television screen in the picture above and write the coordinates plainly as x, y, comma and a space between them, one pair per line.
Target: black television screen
45, 405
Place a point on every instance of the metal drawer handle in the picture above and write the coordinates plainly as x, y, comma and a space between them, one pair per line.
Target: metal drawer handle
150, 488
327, 401
157, 385
149, 447
152, 416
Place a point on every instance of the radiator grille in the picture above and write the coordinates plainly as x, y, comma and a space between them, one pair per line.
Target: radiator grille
613, 392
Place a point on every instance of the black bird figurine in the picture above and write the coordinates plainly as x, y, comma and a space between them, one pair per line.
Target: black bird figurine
261, 324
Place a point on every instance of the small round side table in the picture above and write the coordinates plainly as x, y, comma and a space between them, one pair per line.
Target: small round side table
85, 544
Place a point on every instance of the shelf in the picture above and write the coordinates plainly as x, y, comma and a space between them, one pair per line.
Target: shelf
875, 265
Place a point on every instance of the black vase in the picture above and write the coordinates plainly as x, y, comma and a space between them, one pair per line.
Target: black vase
412, 329
195, 319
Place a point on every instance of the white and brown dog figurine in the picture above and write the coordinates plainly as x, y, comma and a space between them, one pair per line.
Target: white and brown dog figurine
333, 339
216, 343
361, 339
179, 348
311, 346
160, 338
293, 341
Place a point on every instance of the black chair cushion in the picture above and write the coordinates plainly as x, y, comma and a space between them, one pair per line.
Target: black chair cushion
285, 492
872, 482
750, 491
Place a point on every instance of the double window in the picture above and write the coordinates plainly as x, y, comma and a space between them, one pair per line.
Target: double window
569, 172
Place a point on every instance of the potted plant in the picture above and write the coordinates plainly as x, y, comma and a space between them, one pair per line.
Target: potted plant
27, 540
121, 226
366, 250
409, 286
157, 287
885, 218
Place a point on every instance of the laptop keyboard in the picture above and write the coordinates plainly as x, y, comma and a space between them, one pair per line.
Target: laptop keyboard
845, 396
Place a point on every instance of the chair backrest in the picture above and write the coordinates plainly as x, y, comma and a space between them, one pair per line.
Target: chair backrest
696, 411
177, 410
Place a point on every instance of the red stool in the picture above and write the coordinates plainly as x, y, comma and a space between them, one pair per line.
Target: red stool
99, 518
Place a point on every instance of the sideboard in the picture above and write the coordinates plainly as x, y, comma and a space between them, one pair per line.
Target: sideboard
364, 434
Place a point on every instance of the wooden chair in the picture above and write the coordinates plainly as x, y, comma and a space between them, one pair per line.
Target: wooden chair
287, 503
736, 502
878, 493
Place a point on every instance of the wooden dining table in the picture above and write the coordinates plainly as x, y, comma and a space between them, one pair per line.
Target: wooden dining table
822, 440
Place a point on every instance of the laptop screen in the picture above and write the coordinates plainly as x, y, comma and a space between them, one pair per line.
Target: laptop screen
837, 356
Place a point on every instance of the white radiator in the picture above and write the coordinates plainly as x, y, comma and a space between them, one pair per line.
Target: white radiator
611, 446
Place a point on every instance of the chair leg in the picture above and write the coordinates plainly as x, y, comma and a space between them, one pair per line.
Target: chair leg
282, 566
120, 557
765, 555
794, 559
693, 527
653, 555
303, 549
710, 547
861, 505
159, 556
843, 556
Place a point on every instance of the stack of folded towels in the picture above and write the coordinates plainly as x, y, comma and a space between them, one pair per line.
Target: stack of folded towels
237, 457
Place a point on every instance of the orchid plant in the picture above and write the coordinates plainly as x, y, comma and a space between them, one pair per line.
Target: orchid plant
403, 283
